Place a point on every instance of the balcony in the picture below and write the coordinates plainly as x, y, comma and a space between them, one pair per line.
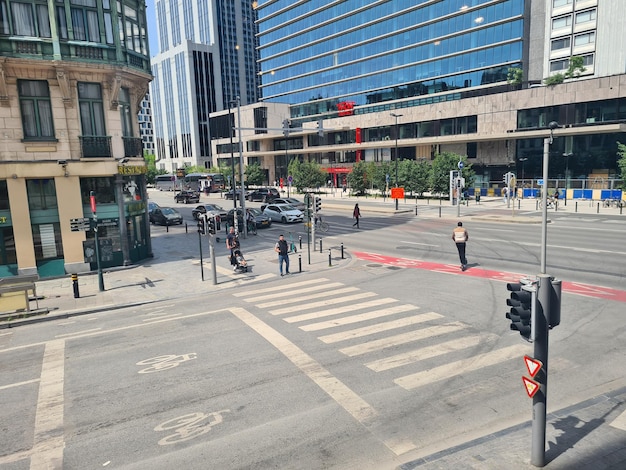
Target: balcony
133, 146
93, 146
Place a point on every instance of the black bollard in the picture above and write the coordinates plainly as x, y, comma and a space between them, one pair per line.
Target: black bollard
440, 212
330, 263
300, 263
75, 286
321, 251
167, 227
598, 209
576, 207
300, 240
342, 251
186, 228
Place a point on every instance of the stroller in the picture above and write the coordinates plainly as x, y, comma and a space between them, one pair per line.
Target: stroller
238, 262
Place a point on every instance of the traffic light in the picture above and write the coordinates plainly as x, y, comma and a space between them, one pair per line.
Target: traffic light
318, 204
212, 225
286, 127
523, 303
202, 225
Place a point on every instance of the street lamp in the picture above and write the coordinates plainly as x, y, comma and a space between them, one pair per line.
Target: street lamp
396, 153
544, 194
566, 155
523, 160
232, 158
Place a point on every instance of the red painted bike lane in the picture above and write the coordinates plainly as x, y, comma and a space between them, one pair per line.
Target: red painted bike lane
576, 288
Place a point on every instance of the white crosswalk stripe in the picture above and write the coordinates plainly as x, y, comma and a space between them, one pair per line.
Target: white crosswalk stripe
323, 303
300, 290
302, 298
281, 287
357, 318
338, 311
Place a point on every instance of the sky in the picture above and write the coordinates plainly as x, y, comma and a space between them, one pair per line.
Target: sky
152, 29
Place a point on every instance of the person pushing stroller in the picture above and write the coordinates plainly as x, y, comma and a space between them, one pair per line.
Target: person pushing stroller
237, 260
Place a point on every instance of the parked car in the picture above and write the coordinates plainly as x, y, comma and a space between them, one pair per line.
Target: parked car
291, 201
187, 196
261, 220
283, 213
229, 194
151, 207
166, 216
264, 194
211, 209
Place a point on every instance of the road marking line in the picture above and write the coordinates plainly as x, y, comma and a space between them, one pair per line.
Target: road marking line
19, 384
358, 318
402, 338
446, 371
620, 422
337, 390
77, 333
379, 327
323, 303
337, 311
279, 288
417, 355
272, 295
48, 434
298, 298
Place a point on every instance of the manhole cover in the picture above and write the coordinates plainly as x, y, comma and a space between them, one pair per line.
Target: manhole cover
393, 267
373, 265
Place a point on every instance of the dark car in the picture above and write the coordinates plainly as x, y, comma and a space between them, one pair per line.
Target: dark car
151, 207
166, 216
229, 194
211, 209
260, 219
187, 197
264, 194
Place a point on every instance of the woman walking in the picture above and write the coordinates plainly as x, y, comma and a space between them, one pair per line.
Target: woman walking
356, 214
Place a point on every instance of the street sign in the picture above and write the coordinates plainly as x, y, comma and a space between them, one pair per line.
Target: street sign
290, 179
79, 225
460, 165
397, 193
532, 365
107, 222
539, 182
531, 386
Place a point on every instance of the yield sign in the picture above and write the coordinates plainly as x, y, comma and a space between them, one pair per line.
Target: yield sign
531, 386
533, 365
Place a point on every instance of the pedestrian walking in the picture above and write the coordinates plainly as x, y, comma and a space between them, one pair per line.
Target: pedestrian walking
237, 260
282, 248
505, 194
460, 237
356, 213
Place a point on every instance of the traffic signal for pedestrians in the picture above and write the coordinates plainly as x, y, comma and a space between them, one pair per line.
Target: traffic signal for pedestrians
318, 204
202, 225
523, 303
212, 225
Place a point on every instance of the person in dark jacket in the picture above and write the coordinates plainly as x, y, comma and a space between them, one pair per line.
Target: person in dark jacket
282, 248
356, 213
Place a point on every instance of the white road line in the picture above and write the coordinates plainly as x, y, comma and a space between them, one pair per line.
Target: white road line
300, 299
77, 333
339, 310
417, 355
620, 422
281, 287
48, 434
402, 338
302, 290
379, 327
19, 384
446, 371
416, 243
323, 303
337, 390
357, 318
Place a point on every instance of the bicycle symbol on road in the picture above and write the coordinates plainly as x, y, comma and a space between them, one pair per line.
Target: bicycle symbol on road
190, 426
165, 362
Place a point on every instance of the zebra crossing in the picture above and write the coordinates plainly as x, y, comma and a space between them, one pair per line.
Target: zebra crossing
363, 324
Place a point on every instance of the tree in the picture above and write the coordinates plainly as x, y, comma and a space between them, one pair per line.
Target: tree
442, 165
576, 67
306, 174
514, 76
555, 79
254, 174
621, 163
357, 179
377, 175
415, 175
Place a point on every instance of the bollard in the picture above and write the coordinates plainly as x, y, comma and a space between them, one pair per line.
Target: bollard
598, 209
300, 263
537, 205
300, 240
321, 251
576, 207
330, 263
167, 227
440, 212
415, 209
186, 228
75, 286
342, 251
519, 204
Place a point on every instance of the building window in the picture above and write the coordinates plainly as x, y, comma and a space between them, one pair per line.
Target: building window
562, 22
132, 33
29, 19
91, 109
563, 43
36, 109
41, 194
85, 20
584, 39
561, 3
558, 65
586, 16
104, 188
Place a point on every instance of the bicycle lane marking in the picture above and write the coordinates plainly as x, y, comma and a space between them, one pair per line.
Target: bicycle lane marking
577, 288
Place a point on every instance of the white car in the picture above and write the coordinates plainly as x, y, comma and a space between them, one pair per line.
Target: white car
291, 201
284, 213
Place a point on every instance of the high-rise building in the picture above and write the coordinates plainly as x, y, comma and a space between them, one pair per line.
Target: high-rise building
72, 77
207, 60
480, 78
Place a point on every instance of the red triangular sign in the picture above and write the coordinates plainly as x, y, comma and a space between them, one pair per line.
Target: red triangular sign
532, 365
531, 386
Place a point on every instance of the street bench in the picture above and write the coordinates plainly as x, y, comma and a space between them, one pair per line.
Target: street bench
16, 292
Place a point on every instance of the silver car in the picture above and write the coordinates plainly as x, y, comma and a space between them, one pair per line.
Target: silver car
291, 201
284, 213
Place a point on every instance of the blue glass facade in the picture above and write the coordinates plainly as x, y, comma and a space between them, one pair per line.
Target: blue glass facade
368, 52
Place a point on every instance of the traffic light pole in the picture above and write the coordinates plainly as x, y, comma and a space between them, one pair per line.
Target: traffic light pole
212, 254
544, 296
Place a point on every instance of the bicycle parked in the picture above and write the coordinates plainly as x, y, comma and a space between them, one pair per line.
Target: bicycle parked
320, 224
613, 202
551, 203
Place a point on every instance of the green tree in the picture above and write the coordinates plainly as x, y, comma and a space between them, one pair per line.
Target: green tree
377, 175
576, 67
514, 76
357, 179
306, 174
254, 174
442, 165
415, 175
621, 163
555, 79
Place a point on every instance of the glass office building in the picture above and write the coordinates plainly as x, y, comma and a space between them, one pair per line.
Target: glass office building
323, 57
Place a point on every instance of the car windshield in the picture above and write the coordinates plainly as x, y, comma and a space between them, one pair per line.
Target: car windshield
213, 207
288, 207
169, 211
255, 211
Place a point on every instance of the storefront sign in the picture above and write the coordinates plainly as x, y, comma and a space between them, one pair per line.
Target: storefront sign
131, 170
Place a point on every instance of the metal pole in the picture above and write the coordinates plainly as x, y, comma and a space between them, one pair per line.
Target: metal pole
201, 264
232, 164
544, 200
396, 154
243, 199
212, 253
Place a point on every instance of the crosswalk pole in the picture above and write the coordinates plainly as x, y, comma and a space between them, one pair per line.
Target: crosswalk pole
330, 263
300, 263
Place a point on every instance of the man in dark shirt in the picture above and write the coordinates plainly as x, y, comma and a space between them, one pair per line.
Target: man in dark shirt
282, 248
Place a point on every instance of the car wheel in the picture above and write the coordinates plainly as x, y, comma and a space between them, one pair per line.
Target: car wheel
283, 219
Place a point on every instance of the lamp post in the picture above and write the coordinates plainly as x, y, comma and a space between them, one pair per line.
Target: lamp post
523, 161
232, 164
396, 153
566, 155
243, 198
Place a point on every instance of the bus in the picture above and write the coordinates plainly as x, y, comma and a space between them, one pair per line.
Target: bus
165, 182
214, 182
